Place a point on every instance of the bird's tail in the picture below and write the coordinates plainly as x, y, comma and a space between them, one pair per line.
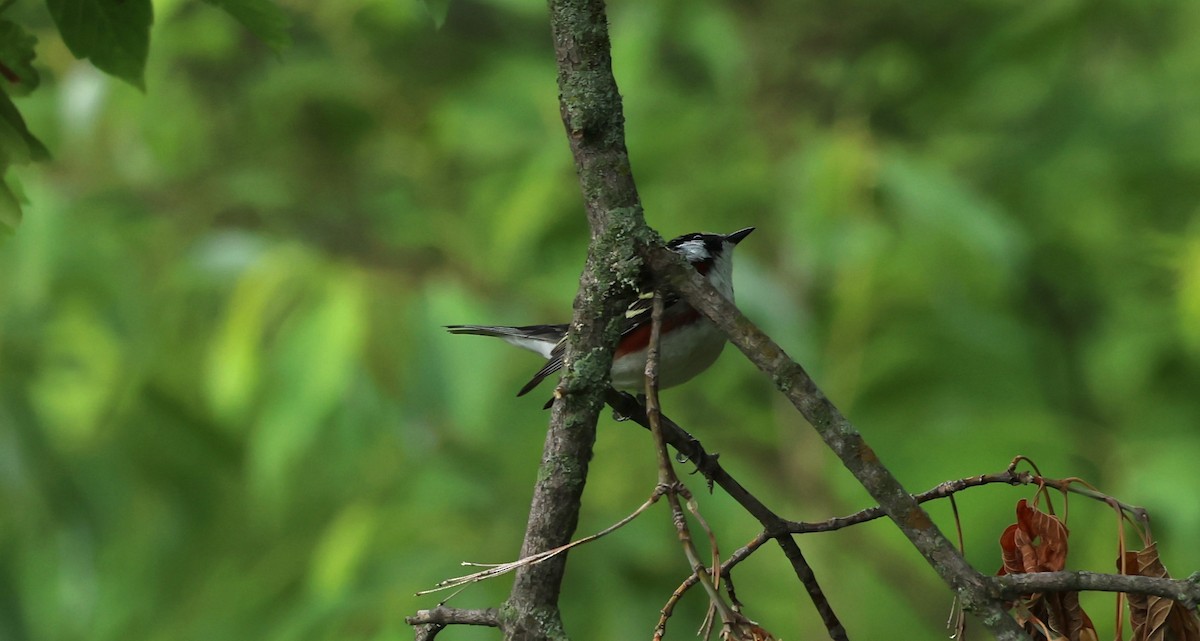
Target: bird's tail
535, 338
489, 330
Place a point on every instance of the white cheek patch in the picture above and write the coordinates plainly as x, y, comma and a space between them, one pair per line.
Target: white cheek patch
693, 250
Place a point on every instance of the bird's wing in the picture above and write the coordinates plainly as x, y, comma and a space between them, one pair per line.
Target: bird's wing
637, 317
637, 314
553, 365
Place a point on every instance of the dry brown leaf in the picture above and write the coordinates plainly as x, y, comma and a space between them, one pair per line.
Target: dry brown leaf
1155, 618
1037, 542
1071, 618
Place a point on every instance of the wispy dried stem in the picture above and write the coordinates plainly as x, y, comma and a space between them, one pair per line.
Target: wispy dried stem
669, 482
497, 569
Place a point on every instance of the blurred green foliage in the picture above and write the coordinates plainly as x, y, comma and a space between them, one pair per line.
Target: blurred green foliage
228, 411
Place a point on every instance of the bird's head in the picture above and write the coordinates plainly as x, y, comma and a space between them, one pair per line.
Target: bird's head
704, 250
711, 255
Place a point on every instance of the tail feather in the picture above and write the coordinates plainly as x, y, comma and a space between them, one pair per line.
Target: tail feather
542, 339
548, 333
481, 330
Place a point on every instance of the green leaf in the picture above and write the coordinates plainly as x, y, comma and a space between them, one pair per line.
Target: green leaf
17, 145
113, 34
263, 18
16, 59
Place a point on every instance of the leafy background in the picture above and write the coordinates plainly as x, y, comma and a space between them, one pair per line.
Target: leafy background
228, 411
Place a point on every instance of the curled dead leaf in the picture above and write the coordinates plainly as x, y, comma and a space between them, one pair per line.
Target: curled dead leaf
1037, 542
1155, 618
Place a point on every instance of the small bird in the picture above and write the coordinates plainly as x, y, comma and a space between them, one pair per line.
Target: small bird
689, 342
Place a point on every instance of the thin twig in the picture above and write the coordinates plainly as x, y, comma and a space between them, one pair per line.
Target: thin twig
738, 556
709, 465
666, 472
840, 435
497, 569
958, 618
943, 490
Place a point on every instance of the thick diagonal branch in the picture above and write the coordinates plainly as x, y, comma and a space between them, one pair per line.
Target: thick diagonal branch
842, 437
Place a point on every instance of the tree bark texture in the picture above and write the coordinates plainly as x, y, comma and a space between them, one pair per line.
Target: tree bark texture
591, 112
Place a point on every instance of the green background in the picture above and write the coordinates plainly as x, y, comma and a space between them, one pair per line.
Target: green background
228, 410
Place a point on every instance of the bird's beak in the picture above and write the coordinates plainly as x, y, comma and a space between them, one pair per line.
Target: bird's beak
737, 236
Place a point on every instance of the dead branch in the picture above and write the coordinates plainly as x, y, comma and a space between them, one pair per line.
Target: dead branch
428, 623
1011, 586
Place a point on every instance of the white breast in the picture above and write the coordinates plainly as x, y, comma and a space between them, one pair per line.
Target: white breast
684, 353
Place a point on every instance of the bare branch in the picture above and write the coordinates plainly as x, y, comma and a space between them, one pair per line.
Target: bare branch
669, 482
666, 472
738, 556
428, 623
943, 490
710, 467
843, 438
442, 615
940, 491
1012, 586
